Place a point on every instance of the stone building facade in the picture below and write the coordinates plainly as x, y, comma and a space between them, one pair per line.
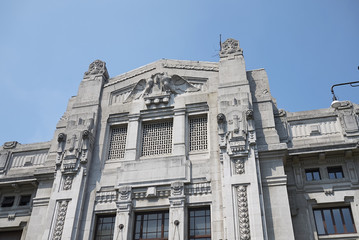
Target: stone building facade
184, 150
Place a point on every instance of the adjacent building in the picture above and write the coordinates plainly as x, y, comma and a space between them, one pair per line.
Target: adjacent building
184, 150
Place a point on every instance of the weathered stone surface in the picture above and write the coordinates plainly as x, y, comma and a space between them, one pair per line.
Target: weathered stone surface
177, 135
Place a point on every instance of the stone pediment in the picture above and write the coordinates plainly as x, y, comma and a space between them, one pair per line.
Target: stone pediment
159, 88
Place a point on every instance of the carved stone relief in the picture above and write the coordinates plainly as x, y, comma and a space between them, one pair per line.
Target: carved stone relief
73, 148
60, 219
97, 67
239, 166
159, 88
243, 214
230, 46
124, 193
177, 188
67, 182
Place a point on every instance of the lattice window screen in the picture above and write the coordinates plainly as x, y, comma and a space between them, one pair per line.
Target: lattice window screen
117, 142
198, 133
157, 138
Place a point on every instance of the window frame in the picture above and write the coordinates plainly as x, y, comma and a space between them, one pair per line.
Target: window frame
333, 221
99, 216
201, 208
163, 213
333, 168
311, 171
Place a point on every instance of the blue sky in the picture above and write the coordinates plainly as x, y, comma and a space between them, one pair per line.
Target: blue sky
45, 47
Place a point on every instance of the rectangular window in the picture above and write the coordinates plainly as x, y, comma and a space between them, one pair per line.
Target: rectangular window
8, 201
198, 133
312, 174
151, 225
199, 223
25, 200
117, 142
334, 221
335, 172
105, 227
157, 138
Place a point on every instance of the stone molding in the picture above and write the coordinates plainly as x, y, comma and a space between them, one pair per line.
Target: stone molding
243, 215
191, 67
60, 219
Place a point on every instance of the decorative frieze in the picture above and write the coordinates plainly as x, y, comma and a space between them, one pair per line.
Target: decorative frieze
198, 188
159, 194
243, 214
60, 219
106, 197
28, 159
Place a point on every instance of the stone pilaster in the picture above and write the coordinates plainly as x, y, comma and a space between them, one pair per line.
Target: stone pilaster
132, 137
177, 223
123, 224
179, 121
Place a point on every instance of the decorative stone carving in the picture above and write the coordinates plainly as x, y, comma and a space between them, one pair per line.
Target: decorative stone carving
230, 46
151, 192
106, 197
124, 193
239, 166
158, 88
61, 141
249, 114
74, 146
243, 214
10, 145
67, 182
60, 219
177, 188
198, 188
97, 67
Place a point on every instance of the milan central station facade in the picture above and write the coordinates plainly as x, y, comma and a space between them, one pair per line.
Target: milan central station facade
184, 150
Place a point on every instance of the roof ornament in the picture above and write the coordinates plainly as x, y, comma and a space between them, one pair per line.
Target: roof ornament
97, 67
230, 46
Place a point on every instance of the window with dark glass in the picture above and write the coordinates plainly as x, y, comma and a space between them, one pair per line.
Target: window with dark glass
334, 221
151, 226
199, 223
335, 172
8, 201
312, 174
24, 200
105, 227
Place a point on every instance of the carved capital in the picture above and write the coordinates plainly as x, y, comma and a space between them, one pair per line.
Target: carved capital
177, 188
124, 193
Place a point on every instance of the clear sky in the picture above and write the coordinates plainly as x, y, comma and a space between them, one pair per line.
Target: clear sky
45, 47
